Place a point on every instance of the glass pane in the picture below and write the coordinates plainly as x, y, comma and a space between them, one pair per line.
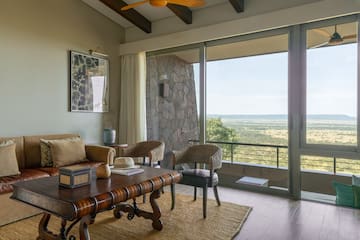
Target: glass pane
319, 173
171, 93
317, 163
247, 105
331, 85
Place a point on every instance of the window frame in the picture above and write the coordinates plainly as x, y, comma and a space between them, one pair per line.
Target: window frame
326, 150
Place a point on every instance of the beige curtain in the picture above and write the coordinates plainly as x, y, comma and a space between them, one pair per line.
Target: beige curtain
132, 119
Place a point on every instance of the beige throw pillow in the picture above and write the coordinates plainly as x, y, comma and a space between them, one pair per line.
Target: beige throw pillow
66, 152
8, 159
46, 157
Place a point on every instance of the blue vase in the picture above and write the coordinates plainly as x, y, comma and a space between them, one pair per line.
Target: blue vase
109, 136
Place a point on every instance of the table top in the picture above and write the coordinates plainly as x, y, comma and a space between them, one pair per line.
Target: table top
45, 193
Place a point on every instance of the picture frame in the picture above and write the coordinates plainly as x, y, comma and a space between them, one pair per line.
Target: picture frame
89, 83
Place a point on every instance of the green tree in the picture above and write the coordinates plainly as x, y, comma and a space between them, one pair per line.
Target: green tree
216, 131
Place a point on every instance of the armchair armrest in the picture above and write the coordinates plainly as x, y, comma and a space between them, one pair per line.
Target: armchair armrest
157, 154
98, 153
126, 151
177, 157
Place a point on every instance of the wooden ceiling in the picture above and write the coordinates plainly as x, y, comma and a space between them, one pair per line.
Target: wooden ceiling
184, 13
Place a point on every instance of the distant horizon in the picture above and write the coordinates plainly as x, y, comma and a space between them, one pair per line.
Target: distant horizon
313, 116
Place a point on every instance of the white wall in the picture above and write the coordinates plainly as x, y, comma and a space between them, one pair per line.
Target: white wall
35, 37
258, 19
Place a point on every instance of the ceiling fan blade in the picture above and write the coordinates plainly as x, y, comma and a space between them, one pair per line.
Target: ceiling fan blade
188, 3
349, 36
129, 6
322, 32
319, 45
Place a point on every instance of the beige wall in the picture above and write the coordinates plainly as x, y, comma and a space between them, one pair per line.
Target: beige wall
35, 38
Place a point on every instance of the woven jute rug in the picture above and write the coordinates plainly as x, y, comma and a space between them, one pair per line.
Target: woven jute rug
184, 222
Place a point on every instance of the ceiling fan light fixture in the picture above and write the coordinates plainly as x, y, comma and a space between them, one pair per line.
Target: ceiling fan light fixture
158, 3
335, 39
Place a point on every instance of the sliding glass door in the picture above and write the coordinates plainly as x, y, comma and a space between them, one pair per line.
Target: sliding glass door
247, 107
330, 134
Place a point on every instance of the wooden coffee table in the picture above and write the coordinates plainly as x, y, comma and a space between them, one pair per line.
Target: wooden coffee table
83, 203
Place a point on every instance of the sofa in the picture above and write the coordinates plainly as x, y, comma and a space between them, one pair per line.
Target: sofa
28, 156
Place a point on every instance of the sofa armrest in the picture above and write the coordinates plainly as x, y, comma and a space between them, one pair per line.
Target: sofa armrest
98, 153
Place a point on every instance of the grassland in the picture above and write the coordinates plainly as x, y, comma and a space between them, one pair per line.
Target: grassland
273, 130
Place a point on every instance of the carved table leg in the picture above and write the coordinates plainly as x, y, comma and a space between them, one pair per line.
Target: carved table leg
155, 217
84, 230
131, 210
45, 234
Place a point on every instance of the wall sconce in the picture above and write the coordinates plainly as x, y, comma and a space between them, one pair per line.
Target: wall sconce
163, 86
94, 52
164, 90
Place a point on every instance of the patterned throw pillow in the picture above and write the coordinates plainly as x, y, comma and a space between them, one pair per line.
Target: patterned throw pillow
46, 160
45, 150
8, 160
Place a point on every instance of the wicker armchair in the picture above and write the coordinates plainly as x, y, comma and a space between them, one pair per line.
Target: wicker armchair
209, 158
153, 150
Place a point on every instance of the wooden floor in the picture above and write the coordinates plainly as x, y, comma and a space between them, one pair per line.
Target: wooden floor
277, 218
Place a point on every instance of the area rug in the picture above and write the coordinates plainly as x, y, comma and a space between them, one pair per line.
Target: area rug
184, 222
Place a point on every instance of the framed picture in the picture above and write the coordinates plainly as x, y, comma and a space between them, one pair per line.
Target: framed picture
89, 83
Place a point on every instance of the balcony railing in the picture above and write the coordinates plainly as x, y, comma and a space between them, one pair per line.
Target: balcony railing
277, 156
260, 154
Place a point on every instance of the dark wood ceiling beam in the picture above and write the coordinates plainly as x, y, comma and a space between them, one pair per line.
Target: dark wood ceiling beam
131, 15
184, 13
238, 5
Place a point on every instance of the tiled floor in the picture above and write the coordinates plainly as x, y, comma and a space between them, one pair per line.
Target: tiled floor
277, 218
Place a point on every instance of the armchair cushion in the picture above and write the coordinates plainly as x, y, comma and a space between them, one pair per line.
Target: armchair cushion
200, 173
8, 161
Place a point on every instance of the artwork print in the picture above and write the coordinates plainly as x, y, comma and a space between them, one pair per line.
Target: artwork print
88, 83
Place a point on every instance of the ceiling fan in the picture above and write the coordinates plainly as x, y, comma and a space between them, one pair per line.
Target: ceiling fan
334, 39
163, 3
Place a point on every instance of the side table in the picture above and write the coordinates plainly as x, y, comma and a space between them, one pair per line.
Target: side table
117, 147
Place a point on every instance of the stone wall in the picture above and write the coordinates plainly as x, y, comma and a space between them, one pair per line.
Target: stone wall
172, 113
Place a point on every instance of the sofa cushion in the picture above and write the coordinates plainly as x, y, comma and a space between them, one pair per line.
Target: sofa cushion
53, 171
32, 148
25, 175
19, 149
67, 151
45, 151
8, 161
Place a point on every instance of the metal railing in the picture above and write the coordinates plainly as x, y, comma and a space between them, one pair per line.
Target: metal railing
262, 154
277, 156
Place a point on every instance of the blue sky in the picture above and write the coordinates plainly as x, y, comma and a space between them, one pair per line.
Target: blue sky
258, 84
